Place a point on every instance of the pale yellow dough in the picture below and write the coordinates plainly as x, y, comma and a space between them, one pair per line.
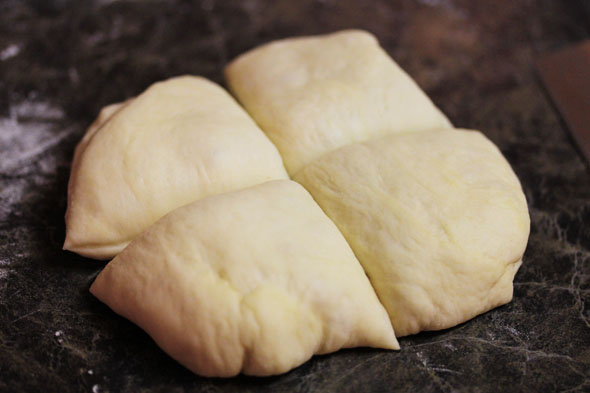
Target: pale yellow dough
253, 281
312, 95
179, 141
437, 219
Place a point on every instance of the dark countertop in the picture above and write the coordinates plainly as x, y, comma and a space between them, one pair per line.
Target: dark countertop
62, 60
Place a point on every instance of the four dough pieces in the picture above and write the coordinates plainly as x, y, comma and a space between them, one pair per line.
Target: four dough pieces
258, 280
253, 281
179, 141
437, 219
312, 95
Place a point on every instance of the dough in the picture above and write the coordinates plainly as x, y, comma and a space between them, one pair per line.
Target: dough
180, 140
253, 281
312, 95
437, 219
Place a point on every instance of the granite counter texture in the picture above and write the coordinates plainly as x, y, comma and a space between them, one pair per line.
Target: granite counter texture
61, 61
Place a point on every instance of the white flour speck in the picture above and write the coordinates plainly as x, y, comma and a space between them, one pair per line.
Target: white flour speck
513, 331
59, 335
10, 51
95, 389
90, 372
450, 346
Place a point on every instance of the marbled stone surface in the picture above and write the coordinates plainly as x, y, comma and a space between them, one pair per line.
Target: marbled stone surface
62, 60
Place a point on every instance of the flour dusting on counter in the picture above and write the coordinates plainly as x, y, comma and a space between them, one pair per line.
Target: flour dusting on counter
4, 269
31, 128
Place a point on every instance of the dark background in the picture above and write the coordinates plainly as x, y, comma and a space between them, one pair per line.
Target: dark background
61, 61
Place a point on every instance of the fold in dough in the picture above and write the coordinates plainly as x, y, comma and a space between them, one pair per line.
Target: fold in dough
313, 95
179, 141
437, 219
253, 281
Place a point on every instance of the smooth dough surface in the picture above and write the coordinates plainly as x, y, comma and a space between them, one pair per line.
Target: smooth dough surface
312, 95
437, 219
179, 141
253, 281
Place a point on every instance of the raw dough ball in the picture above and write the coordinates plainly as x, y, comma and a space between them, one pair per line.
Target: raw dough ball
179, 141
437, 219
253, 281
312, 95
